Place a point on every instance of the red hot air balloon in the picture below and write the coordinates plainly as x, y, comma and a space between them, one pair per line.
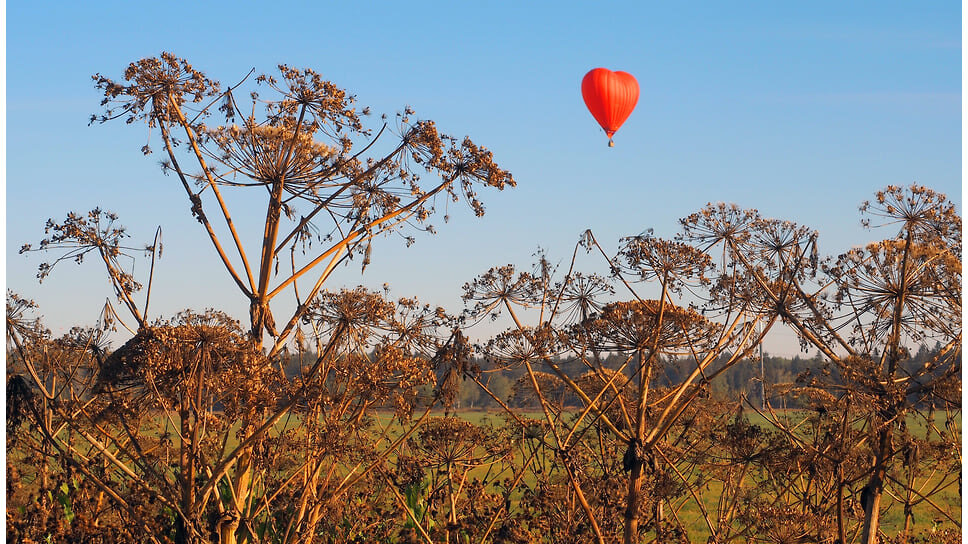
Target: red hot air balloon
610, 97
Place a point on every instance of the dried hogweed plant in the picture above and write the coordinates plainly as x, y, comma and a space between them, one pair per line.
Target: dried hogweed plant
323, 192
861, 310
621, 349
258, 432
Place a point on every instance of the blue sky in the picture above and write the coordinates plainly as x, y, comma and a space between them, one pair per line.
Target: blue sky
801, 111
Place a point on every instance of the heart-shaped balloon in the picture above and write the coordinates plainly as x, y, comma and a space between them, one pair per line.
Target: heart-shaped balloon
610, 97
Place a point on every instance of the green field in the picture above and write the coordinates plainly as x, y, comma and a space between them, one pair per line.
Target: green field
685, 509
926, 516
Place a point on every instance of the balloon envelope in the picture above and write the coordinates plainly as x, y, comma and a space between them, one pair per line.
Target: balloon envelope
610, 97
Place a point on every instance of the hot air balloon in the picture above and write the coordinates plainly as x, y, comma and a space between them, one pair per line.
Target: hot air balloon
610, 97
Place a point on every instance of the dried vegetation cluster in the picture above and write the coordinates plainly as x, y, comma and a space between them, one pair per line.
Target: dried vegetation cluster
325, 425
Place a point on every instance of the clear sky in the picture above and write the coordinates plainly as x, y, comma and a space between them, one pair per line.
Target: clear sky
801, 110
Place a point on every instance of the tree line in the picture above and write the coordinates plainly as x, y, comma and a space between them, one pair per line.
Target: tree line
741, 381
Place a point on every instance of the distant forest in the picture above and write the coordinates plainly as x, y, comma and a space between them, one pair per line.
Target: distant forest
779, 374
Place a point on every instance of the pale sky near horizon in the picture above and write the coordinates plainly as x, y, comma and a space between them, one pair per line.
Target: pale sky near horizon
802, 111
